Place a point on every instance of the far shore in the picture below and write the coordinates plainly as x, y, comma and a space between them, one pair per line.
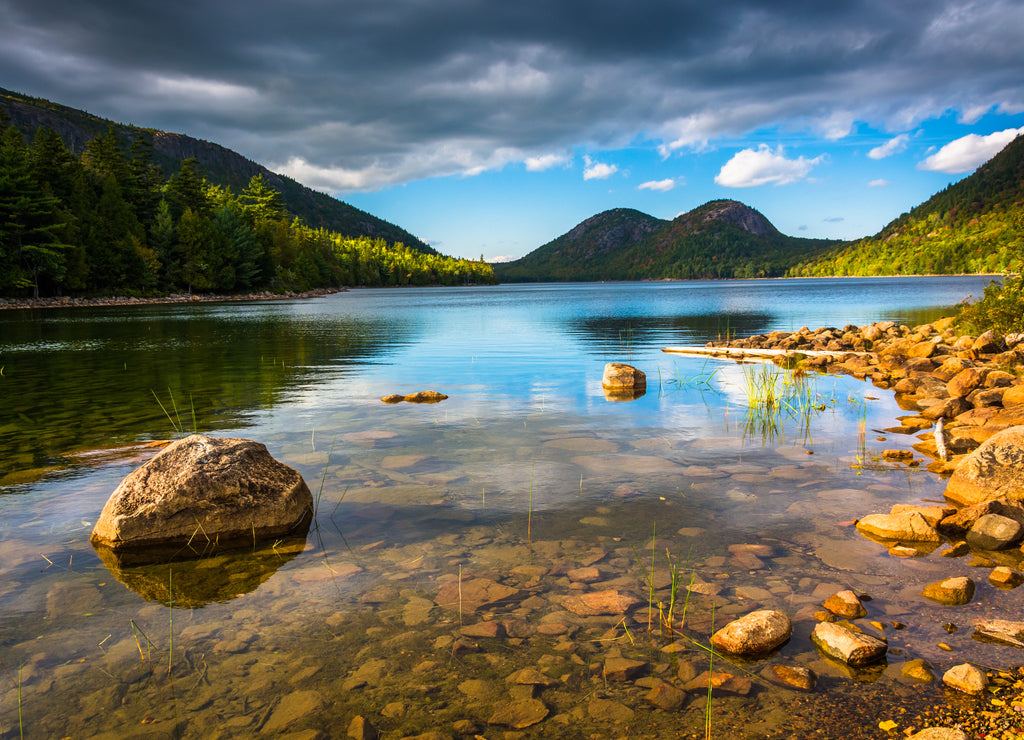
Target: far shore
69, 302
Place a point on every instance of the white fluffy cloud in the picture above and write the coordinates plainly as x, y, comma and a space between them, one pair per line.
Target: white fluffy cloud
761, 166
968, 152
597, 170
892, 146
546, 162
662, 186
880, 183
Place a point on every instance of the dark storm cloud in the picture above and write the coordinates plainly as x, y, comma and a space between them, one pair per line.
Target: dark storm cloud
352, 95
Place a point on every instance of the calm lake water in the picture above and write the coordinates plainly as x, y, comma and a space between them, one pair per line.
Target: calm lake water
524, 476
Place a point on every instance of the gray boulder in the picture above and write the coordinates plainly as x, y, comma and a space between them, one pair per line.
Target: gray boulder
993, 532
202, 494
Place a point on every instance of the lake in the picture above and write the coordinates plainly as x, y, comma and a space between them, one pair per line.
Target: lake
526, 487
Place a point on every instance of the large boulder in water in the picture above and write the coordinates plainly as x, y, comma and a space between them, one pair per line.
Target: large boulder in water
993, 471
202, 494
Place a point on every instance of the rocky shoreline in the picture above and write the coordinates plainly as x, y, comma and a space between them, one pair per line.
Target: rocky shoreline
965, 401
69, 302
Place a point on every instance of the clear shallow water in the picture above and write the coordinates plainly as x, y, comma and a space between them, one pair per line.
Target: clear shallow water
526, 473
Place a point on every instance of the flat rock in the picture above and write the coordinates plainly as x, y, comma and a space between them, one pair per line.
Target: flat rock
1005, 578
846, 604
908, 526
609, 710
1001, 630
965, 677
938, 733
596, 603
474, 594
951, 591
519, 714
622, 669
297, 706
203, 493
620, 376
994, 470
758, 632
791, 677
994, 532
852, 648
724, 683
666, 697
918, 670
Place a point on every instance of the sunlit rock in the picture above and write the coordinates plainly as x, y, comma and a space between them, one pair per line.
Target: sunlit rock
202, 494
756, 633
994, 470
967, 678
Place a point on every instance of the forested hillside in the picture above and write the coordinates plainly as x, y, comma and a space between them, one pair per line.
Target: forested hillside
720, 239
221, 166
112, 222
975, 225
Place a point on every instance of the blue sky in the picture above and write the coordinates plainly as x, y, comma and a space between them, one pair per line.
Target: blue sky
491, 128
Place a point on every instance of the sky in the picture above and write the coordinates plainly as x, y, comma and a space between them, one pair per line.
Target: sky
492, 127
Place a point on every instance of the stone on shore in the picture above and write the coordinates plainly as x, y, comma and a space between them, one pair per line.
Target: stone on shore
756, 633
200, 494
951, 591
907, 526
965, 677
843, 644
995, 470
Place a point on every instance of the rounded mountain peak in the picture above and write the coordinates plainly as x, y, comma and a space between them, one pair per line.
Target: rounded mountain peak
733, 213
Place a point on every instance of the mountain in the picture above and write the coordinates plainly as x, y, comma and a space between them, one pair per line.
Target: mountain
220, 165
975, 225
720, 239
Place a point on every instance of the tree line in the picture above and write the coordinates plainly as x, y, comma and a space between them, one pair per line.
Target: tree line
112, 222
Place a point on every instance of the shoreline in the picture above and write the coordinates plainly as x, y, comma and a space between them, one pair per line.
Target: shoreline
69, 302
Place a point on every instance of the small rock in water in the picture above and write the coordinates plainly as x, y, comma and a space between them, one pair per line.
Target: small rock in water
756, 633
965, 677
425, 397
596, 603
846, 604
393, 398
520, 714
1006, 578
918, 670
904, 527
792, 677
852, 648
951, 591
622, 669
666, 697
994, 532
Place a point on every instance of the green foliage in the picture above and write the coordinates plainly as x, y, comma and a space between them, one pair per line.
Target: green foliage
1001, 308
973, 226
112, 223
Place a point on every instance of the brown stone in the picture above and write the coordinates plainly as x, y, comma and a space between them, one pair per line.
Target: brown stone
666, 697
724, 683
965, 381
520, 714
594, 603
473, 594
846, 604
904, 527
965, 677
792, 677
994, 470
425, 397
1004, 577
202, 493
622, 669
846, 645
393, 398
619, 376
951, 591
1013, 395
756, 633
483, 629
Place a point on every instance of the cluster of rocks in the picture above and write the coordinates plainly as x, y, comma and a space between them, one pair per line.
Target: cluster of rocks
974, 384
70, 302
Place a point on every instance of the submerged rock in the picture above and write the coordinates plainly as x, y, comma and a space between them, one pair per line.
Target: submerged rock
905, 526
994, 532
201, 494
846, 604
595, 603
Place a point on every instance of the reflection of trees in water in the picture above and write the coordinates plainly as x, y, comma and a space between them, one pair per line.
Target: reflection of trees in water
622, 332
92, 381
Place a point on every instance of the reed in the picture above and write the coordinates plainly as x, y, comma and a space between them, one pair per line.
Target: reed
21, 720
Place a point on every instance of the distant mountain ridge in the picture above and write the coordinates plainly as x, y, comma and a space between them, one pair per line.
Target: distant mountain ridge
720, 239
221, 166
